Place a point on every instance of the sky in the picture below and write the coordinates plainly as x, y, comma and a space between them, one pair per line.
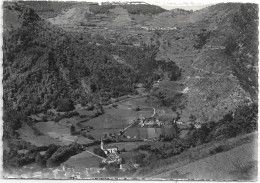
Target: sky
169, 4
172, 4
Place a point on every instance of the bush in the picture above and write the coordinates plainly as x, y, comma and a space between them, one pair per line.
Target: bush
145, 147
102, 9
242, 121
137, 108
83, 116
139, 158
52, 148
62, 154
12, 121
202, 39
143, 9
66, 115
90, 137
230, 45
65, 105
40, 161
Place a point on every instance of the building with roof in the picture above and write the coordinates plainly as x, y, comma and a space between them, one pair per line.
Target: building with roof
108, 149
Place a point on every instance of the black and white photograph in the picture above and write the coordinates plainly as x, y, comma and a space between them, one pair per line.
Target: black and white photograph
130, 90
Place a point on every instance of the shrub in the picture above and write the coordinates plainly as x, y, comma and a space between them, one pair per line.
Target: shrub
177, 175
40, 161
12, 121
139, 158
83, 116
145, 147
62, 154
137, 108
90, 137
230, 45
65, 105
202, 38
143, 9
52, 148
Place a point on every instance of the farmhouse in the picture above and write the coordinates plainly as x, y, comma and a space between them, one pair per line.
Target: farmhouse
109, 149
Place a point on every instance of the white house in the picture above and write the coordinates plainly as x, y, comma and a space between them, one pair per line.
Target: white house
109, 149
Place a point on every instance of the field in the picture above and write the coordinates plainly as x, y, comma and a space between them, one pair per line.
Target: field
112, 121
222, 166
52, 133
27, 134
116, 119
163, 168
84, 160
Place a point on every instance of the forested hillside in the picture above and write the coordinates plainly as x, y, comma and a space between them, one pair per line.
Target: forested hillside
50, 64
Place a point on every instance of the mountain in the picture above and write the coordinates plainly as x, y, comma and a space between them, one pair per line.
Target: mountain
215, 79
81, 69
50, 64
216, 47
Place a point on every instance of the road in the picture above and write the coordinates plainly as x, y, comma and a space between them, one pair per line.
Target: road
95, 154
131, 98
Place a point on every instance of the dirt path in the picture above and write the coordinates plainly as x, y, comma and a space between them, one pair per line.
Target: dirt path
94, 154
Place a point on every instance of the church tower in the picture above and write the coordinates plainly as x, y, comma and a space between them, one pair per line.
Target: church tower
102, 144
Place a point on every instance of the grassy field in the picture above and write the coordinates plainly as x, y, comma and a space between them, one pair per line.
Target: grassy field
60, 131
170, 85
115, 119
84, 160
236, 164
156, 170
27, 134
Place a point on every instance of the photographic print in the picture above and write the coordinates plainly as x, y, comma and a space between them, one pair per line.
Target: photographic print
137, 90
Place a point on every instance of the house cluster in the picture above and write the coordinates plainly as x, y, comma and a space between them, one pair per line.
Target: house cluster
90, 3
64, 172
61, 172
212, 47
111, 153
125, 167
185, 122
150, 122
159, 28
123, 3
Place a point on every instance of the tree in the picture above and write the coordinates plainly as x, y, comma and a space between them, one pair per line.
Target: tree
12, 121
230, 45
40, 161
192, 118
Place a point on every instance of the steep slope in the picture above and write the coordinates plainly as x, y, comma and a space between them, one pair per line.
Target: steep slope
239, 163
48, 9
49, 64
193, 163
216, 81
